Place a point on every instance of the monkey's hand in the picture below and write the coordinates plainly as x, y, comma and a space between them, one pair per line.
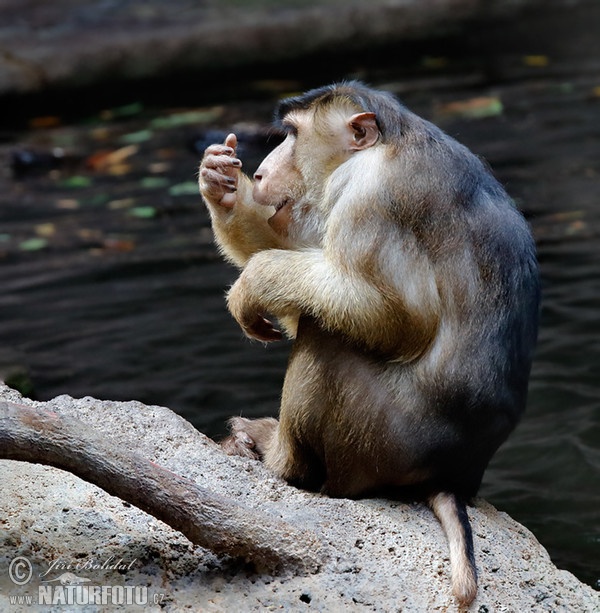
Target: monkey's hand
247, 311
219, 174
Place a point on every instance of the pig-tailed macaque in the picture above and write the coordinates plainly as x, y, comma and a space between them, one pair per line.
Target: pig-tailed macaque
409, 282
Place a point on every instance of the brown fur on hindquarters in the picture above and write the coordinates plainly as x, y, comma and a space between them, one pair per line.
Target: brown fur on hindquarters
409, 282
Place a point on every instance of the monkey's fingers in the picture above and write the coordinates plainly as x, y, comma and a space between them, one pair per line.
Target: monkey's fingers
214, 178
218, 149
231, 141
224, 163
218, 188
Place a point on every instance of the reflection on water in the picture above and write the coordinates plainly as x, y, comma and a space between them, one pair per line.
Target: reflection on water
111, 287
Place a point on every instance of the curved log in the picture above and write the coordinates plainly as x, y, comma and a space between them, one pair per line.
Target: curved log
207, 519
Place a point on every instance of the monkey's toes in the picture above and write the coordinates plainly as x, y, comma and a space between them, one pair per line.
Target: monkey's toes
239, 442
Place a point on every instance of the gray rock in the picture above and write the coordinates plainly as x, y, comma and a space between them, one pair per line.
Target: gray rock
388, 556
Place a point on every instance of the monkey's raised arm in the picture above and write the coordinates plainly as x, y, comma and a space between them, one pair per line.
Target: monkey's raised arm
242, 231
239, 224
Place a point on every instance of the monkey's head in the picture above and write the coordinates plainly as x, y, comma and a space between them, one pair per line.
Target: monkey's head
323, 128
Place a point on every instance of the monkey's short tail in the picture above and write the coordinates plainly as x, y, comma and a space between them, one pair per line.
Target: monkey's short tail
452, 513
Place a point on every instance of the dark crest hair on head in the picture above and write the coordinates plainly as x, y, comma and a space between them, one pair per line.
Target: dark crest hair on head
388, 111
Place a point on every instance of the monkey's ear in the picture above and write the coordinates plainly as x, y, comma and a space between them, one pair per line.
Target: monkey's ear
364, 131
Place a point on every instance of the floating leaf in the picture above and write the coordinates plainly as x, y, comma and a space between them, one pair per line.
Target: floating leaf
89, 234
33, 244
159, 167
189, 188
45, 229
474, 108
122, 203
103, 160
536, 61
434, 63
134, 138
596, 91
143, 212
67, 203
64, 139
101, 133
566, 88
127, 110
154, 182
76, 181
49, 121
187, 118
575, 227
563, 216
120, 245
167, 153
118, 170
4, 238
96, 200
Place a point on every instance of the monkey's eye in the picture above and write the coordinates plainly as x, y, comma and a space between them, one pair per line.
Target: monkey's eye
290, 129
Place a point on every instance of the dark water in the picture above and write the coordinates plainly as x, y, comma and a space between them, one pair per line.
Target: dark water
111, 286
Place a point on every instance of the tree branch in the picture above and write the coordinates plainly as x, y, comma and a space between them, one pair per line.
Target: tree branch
218, 523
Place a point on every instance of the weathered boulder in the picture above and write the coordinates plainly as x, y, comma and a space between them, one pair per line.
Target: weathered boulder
385, 556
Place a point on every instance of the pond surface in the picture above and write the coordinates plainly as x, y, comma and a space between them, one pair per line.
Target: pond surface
111, 286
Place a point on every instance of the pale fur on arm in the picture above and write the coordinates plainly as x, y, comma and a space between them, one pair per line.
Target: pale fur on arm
242, 231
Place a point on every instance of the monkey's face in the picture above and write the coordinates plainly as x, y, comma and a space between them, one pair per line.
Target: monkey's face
279, 183
293, 177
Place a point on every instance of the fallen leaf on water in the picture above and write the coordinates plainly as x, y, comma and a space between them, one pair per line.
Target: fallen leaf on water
100, 134
159, 167
474, 108
127, 110
186, 118
575, 227
154, 182
76, 181
33, 244
563, 216
134, 138
188, 188
89, 234
95, 200
118, 170
45, 229
143, 212
121, 203
119, 245
596, 91
167, 153
536, 61
434, 63
49, 121
566, 88
67, 204
103, 160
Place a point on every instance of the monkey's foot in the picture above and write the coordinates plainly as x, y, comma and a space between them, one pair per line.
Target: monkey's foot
249, 437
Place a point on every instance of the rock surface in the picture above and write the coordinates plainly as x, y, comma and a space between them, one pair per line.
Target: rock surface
388, 556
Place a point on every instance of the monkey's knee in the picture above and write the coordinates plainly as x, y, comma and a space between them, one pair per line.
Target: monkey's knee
249, 438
